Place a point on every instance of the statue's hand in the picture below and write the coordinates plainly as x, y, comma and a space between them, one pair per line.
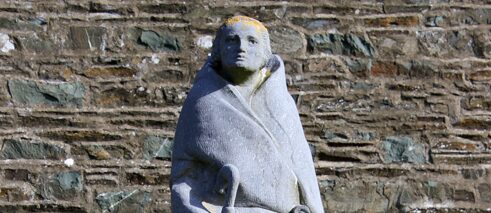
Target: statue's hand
300, 209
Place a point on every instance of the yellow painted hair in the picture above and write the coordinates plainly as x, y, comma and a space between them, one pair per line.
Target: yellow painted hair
245, 20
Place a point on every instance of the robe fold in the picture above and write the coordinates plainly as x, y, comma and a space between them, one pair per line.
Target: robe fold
262, 137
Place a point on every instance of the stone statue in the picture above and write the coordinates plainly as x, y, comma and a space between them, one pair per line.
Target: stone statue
239, 144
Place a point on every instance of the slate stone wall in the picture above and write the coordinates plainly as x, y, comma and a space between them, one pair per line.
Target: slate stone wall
395, 98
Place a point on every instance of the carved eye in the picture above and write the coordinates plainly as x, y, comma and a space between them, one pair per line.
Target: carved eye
230, 39
252, 40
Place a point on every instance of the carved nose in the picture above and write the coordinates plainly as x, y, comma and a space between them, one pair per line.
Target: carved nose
242, 46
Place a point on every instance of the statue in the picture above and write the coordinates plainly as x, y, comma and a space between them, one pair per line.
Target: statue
239, 144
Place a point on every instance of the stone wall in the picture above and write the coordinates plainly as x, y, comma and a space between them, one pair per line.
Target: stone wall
395, 98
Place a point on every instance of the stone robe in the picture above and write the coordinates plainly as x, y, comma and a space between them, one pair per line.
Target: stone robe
264, 140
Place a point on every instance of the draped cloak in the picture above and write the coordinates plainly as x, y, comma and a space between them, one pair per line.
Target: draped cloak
262, 138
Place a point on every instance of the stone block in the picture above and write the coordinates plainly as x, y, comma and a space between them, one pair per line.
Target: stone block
6, 43
485, 192
31, 93
437, 191
340, 44
87, 38
394, 45
448, 44
385, 69
106, 73
84, 135
16, 192
18, 175
28, 24
354, 196
458, 145
147, 178
43, 207
157, 147
392, 21
159, 41
359, 67
285, 40
103, 152
470, 16
316, 23
63, 186
38, 44
484, 76
402, 149
27, 149
473, 173
463, 195
436, 21
474, 123
477, 102
134, 201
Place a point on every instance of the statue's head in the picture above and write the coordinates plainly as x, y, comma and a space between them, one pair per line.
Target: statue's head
241, 47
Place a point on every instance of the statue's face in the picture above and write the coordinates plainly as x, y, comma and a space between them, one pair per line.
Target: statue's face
242, 48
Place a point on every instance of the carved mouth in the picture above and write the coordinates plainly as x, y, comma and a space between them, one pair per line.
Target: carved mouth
241, 57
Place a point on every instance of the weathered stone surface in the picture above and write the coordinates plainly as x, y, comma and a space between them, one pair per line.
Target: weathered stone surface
474, 123
285, 40
38, 44
435, 21
463, 195
394, 44
16, 192
110, 72
43, 207
31, 93
6, 44
347, 44
72, 136
484, 192
103, 152
159, 41
471, 16
358, 67
87, 38
355, 196
147, 178
402, 150
437, 191
124, 201
22, 24
157, 147
18, 175
26, 149
484, 75
393, 21
447, 44
63, 186
315, 24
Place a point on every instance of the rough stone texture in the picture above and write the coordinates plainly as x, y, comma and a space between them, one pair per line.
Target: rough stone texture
159, 41
63, 186
78, 82
27, 149
402, 150
125, 201
348, 44
31, 93
157, 147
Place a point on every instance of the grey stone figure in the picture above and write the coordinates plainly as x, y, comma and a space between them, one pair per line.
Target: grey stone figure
239, 144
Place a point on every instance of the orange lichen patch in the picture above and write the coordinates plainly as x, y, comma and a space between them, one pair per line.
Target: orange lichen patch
405, 21
245, 20
384, 69
108, 72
